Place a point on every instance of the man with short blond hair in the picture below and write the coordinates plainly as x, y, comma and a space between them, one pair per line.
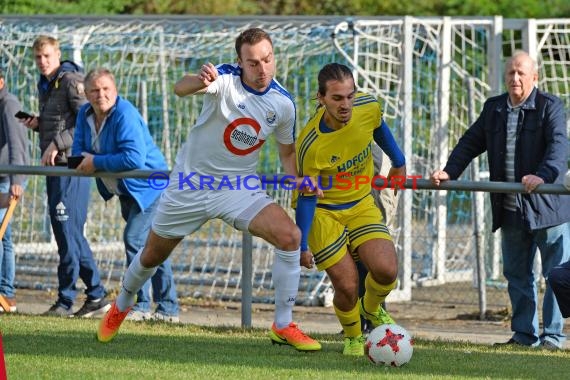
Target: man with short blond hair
61, 94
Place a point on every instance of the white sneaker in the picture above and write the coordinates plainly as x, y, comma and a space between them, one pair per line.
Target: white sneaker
165, 318
138, 316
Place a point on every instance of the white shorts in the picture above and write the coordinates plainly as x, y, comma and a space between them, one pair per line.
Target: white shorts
181, 212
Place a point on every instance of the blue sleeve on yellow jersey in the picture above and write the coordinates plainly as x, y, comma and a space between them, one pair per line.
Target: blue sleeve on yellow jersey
304, 217
386, 141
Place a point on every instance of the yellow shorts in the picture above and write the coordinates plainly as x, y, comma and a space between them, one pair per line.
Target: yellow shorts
335, 230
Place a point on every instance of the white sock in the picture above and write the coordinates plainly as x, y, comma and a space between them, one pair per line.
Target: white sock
135, 277
286, 274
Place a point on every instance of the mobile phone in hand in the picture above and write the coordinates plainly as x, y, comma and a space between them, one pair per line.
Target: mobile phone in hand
23, 115
74, 161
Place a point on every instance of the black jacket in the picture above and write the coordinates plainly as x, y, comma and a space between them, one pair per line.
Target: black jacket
60, 99
541, 149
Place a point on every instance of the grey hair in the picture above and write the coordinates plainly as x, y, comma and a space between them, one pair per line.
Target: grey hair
97, 73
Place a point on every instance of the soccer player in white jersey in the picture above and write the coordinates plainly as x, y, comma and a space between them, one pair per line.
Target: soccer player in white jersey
243, 105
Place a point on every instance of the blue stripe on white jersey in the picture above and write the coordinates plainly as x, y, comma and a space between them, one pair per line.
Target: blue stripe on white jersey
227, 68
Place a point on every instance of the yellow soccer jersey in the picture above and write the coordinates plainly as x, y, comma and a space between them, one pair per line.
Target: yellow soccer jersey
342, 159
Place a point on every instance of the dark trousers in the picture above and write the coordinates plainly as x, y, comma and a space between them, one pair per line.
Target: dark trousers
559, 280
68, 198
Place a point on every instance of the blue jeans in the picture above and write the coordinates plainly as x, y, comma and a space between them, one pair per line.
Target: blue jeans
68, 198
519, 248
135, 234
7, 258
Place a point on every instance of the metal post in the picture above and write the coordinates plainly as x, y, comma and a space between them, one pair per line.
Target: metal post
246, 280
478, 214
143, 101
407, 125
164, 89
495, 55
442, 148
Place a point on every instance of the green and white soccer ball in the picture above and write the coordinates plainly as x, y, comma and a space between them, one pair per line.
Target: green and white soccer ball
389, 345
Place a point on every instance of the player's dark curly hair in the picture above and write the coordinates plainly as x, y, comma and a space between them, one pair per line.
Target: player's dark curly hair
333, 71
251, 36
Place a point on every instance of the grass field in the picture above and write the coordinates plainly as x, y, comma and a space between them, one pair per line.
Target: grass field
38, 347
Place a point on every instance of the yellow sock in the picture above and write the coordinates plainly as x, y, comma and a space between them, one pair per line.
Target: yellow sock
349, 320
375, 293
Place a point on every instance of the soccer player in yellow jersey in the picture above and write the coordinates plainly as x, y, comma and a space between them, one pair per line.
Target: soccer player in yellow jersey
345, 225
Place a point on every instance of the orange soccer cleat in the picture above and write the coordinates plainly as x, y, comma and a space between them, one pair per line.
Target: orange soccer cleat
110, 324
293, 336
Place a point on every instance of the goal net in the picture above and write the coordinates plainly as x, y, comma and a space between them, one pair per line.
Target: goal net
431, 75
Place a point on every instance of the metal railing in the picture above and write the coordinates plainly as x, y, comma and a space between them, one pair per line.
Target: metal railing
247, 273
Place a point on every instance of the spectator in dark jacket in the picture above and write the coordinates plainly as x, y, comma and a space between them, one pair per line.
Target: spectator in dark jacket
524, 134
61, 94
14, 150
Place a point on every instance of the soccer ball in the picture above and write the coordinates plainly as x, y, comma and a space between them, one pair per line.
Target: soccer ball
390, 345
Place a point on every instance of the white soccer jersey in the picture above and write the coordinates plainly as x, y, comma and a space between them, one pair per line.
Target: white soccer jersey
234, 123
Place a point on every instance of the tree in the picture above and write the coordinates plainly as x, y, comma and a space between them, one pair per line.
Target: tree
507, 8
78, 7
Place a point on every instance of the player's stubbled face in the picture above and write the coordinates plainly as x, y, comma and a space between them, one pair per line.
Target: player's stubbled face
338, 102
258, 65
